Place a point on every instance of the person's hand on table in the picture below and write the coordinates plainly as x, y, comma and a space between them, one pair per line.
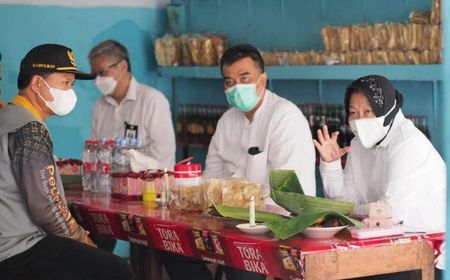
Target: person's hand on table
87, 240
328, 147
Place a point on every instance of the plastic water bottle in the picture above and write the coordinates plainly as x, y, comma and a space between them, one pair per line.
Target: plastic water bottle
122, 159
94, 179
105, 165
114, 154
89, 170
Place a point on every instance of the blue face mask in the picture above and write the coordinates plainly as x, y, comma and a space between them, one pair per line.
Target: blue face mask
242, 96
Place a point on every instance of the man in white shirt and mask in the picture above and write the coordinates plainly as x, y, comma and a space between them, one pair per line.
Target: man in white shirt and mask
128, 108
262, 131
389, 159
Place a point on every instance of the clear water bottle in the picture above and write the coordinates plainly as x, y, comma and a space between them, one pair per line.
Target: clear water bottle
104, 166
89, 158
122, 159
94, 178
114, 154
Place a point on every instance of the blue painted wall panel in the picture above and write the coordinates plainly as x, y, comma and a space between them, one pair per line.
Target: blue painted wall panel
295, 25
80, 29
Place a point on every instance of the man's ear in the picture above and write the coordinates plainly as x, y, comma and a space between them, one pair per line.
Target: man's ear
263, 78
35, 83
124, 65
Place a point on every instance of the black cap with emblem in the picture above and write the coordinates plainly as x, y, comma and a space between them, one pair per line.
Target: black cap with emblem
52, 58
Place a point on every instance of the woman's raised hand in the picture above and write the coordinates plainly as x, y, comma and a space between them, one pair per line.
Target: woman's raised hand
327, 146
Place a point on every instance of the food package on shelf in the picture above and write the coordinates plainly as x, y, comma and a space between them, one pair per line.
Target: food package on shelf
420, 17
344, 38
235, 192
354, 38
365, 37
304, 58
330, 38
219, 45
380, 37
167, 51
394, 33
413, 57
186, 58
425, 41
190, 49
195, 51
292, 58
435, 57
436, 37
316, 57
269, 58
435, 17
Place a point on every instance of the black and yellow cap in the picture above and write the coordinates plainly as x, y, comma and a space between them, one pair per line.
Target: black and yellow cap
52, 58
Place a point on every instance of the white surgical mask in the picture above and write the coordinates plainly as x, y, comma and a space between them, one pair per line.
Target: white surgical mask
105, 85
370, 130
63, 100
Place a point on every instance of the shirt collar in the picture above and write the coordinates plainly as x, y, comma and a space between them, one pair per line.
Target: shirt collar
131, 93
25, 103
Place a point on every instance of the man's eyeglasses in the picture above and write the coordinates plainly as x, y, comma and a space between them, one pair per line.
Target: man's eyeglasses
105, 70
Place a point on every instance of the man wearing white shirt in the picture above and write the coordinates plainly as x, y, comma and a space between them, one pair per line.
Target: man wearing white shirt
262, 131
128, 108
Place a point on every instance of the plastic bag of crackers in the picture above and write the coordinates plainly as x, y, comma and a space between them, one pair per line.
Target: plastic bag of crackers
234, 192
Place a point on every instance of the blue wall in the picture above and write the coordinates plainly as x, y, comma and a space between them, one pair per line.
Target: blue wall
24, 27
295, 25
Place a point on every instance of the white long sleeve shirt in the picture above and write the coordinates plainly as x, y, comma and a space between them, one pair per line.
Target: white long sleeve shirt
281, 133
404, 170
145, 107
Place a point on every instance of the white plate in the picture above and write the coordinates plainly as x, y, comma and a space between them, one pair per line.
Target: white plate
256, 229
322, 232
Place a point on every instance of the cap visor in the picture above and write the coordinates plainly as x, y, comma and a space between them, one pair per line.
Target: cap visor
81, 75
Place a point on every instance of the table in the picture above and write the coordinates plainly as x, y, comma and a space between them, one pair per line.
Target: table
216, 240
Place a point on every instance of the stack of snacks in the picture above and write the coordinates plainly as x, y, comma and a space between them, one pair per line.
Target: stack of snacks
192, 49
415, 42
234, 192
69, 167
130, 185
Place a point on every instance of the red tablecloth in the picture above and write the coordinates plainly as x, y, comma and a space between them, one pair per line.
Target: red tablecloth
215, 239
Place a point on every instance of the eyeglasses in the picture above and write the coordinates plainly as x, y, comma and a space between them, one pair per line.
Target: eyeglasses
105, 70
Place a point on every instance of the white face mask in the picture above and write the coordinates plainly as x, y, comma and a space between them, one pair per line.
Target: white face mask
63, 100
370, 130
105, 85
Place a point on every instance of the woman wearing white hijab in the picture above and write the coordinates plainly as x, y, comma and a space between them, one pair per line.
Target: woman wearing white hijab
389, 159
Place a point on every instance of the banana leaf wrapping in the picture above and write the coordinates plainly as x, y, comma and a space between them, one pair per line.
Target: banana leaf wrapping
283, 227
286, 191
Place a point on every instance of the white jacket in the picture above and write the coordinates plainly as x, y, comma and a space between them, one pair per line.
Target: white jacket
404, 170
145, 107
281, 133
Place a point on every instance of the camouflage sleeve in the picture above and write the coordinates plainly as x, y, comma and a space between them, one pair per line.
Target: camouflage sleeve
31, 153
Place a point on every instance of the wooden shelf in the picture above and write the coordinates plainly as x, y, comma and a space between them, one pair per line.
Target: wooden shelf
428, 72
